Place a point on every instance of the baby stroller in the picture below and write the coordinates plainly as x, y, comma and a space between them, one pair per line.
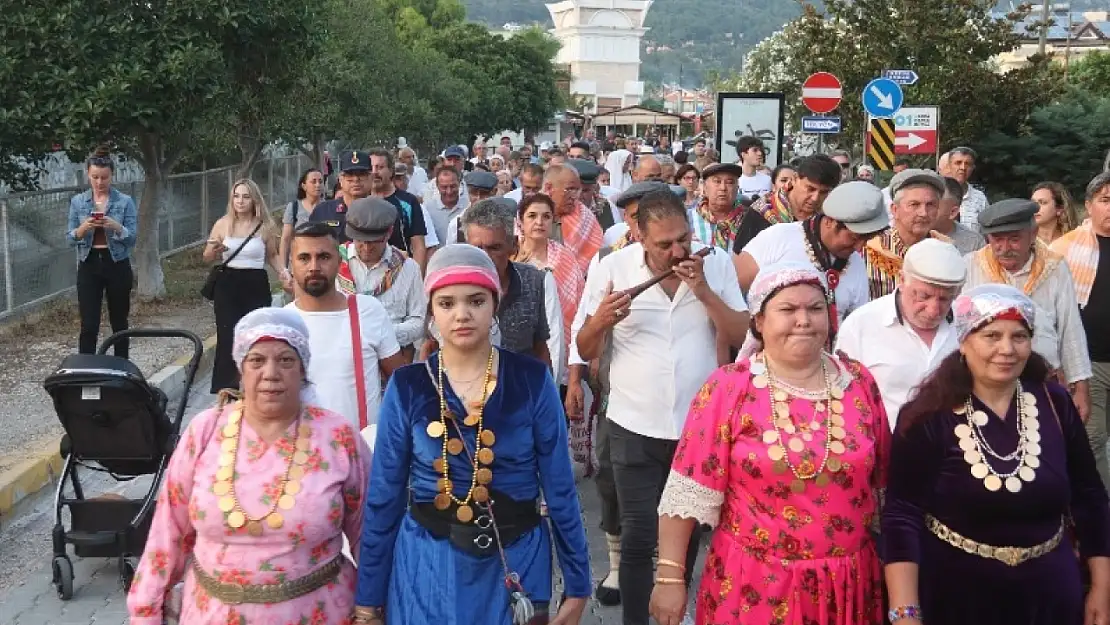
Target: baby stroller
115, 423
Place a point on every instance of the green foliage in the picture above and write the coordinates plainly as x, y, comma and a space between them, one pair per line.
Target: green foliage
949, 42
1063, 142
1092, 73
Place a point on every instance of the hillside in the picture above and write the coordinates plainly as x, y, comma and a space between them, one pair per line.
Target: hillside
694, 35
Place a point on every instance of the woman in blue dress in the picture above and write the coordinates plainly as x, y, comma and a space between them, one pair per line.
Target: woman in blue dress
465, 444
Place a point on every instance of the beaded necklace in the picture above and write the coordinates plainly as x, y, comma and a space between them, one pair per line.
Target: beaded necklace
481, 476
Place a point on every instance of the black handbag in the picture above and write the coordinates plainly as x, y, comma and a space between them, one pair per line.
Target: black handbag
208, 291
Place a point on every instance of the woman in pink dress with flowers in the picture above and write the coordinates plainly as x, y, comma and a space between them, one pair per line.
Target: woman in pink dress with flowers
784, 454
257, 499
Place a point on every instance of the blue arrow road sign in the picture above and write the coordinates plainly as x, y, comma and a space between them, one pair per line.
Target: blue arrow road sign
821, 125
882, 98
901, 76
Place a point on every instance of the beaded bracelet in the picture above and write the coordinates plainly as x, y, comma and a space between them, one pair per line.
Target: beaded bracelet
904, 612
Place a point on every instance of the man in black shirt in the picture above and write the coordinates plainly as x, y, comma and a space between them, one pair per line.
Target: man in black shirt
410, 230
354, 184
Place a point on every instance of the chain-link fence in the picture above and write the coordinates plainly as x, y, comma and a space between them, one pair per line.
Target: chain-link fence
39, 265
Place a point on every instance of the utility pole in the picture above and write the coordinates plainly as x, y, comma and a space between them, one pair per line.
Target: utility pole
1044, 28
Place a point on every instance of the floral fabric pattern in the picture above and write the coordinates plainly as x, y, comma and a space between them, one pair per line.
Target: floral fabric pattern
778, 557
188, 524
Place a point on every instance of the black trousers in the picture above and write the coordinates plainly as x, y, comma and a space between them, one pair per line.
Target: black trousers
640, 468
603, 480
238, 291
99, 278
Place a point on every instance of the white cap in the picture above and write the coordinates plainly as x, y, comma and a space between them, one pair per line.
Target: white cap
936, 262
545, 146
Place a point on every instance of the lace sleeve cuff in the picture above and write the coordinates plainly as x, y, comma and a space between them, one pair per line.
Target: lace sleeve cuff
685, 498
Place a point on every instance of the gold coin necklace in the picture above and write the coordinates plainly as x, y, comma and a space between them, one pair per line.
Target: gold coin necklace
782, 422
977, 451
483, 455
290, 485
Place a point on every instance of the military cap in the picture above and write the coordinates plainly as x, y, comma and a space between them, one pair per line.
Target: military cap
354, 160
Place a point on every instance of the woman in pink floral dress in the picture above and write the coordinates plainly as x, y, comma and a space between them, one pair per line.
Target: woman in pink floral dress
783, 453
257, 499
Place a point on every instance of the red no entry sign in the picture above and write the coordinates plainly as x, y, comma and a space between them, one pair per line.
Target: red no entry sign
821, 93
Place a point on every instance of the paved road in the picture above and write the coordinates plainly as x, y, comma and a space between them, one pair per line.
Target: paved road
28, 597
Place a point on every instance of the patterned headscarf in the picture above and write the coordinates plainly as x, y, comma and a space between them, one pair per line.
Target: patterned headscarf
270, 324
771, 280
986, 303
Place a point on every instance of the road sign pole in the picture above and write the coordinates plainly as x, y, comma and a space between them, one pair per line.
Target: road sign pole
937, 155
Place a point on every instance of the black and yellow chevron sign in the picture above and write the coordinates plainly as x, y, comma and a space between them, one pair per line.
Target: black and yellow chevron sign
881, 151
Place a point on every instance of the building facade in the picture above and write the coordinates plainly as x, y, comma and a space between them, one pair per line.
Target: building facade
1071, 35
601, 46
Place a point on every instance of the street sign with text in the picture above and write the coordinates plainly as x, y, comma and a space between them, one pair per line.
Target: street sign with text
901, 76
821, 125
916, 130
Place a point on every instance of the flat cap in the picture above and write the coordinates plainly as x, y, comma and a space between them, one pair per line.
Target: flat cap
909, 177
1008, 216
370, 219
936, 262
588, 171
638, 190
354, 160
859, 206
481, 179
721, 168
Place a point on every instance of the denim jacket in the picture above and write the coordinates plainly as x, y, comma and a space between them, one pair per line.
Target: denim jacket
120, 207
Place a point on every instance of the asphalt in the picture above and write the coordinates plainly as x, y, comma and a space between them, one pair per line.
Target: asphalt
28, 597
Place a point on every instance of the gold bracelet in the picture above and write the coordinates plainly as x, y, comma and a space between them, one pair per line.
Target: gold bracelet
368, 613
670, 581
670, 563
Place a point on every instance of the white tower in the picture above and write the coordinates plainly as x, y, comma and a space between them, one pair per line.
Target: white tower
601, 45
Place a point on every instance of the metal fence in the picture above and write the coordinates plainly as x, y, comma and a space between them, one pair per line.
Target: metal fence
39, 265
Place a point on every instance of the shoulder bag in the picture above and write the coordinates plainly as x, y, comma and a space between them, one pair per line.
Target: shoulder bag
208, 291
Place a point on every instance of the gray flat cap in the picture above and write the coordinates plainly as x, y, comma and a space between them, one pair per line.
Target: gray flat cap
638, 190
859, 205
1008, 216
916, 176
370, 219
722, 168
588, 171
481, 180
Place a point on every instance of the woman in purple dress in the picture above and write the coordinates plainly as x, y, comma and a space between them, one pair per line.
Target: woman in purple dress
989, 468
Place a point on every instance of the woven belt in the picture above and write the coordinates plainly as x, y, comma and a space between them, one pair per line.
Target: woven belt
1012, 556
236, 594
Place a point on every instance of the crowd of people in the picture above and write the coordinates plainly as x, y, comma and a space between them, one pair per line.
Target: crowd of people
874, 405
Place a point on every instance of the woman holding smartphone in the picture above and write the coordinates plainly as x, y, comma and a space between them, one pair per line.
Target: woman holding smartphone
243, 241
101, 226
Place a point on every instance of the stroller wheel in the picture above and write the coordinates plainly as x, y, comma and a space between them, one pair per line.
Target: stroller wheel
127, 567
63, 577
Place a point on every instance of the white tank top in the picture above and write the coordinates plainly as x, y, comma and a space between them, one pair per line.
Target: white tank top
253, 255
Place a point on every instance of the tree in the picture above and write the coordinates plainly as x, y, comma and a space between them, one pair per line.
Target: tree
142, 76
949, 42
1062, 142
1092, 73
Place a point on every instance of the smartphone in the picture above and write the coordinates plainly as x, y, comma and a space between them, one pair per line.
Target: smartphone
98, 215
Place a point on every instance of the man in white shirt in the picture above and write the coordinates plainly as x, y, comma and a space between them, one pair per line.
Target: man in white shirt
447, 205
753, 184
328, 315
455, 158
664, 346
961, 165
902, 337
376, 268
853, 213
418, 179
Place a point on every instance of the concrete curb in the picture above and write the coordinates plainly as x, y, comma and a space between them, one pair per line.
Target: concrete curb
41, 468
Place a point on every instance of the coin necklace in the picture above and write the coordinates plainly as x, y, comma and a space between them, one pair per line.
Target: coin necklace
977, 450
290, 484
478, 492
781, 422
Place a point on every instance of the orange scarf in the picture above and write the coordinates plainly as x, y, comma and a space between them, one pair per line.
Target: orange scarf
1044, 262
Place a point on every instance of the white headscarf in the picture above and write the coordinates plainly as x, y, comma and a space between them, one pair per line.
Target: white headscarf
614, 163
279, 324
